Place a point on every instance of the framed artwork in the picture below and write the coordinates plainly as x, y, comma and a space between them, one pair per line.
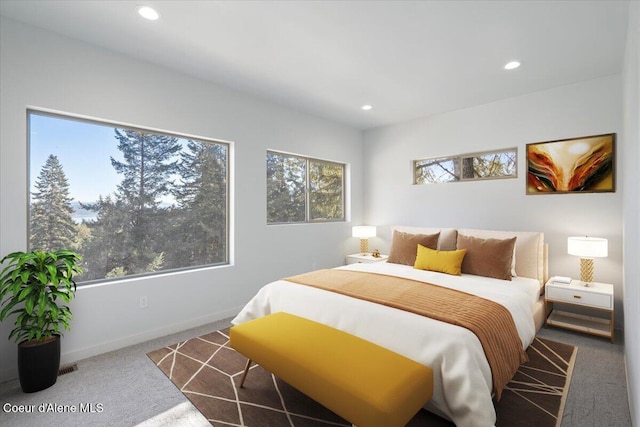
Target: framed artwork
576, 165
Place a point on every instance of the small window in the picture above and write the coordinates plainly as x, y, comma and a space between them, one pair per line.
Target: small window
467, 167
432, 171
302, 189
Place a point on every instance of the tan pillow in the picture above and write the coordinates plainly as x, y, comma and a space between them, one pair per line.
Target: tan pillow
404, 246
487, 257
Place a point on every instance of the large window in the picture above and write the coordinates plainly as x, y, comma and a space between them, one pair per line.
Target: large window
467, 167
301, 189
130, 201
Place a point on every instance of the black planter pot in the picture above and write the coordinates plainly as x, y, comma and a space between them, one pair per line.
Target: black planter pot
38, 364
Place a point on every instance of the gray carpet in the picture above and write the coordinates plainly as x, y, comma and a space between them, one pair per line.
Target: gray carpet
598, 394
132, 391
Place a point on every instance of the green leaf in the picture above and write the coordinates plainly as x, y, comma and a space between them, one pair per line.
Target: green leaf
17, 286
54, 311
53, 274
42, 277
5, 310
24, 276
28, 305
42, 304
24, 293
21, 318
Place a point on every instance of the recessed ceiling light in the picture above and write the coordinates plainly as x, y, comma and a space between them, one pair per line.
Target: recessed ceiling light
367, 107
148, 13
512, 65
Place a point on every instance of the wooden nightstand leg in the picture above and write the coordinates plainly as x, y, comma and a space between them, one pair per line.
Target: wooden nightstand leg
612, 327
548, 308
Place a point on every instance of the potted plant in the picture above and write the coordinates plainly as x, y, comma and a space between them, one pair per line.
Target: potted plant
36, 286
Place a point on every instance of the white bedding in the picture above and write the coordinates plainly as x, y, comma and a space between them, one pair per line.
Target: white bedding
462, 378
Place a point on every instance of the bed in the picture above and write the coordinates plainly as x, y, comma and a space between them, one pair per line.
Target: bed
462, 375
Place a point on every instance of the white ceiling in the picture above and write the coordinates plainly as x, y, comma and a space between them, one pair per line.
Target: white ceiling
406, 58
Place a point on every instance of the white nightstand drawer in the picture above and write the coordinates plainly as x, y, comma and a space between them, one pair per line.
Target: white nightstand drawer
580, 297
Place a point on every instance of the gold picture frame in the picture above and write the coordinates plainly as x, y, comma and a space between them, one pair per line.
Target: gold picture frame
576, 165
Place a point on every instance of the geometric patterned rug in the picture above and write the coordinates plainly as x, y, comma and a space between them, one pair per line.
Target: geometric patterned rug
207, 371
536, 394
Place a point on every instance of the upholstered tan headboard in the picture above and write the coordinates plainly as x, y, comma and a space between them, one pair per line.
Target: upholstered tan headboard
530, 252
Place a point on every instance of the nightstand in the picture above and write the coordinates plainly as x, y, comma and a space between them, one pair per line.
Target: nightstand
367, 258
596, 296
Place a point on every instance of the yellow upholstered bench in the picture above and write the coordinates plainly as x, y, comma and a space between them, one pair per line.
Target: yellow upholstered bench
368, 385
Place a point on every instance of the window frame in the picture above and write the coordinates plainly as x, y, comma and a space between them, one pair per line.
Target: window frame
308, 160
458, 161
119, 125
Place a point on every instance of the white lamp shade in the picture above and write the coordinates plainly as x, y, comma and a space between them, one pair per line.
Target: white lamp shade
364, 231
587, 247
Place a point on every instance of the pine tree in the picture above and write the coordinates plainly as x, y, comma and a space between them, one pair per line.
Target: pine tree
105, 251
149, 162
326, 191
202, 198
286, 188
52, 225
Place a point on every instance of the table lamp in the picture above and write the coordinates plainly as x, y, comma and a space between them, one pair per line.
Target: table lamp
587, 248
364, 232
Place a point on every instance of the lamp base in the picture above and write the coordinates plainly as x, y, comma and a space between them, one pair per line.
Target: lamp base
586, 270
364, 246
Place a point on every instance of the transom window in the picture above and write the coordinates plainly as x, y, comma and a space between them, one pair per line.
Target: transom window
467, 167
302, 189
130, 201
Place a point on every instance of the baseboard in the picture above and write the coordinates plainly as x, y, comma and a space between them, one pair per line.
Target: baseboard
76, 355
633, 405
8, 374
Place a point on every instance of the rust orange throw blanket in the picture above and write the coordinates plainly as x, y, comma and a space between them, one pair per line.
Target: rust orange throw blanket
491, 322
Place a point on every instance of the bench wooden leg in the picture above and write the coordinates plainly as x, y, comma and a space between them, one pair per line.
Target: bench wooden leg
244, 374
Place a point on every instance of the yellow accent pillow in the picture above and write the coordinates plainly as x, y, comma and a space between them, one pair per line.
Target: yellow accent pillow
449, 262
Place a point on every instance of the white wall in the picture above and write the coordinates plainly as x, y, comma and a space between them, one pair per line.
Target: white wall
631, 203
41, 69
588, 108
